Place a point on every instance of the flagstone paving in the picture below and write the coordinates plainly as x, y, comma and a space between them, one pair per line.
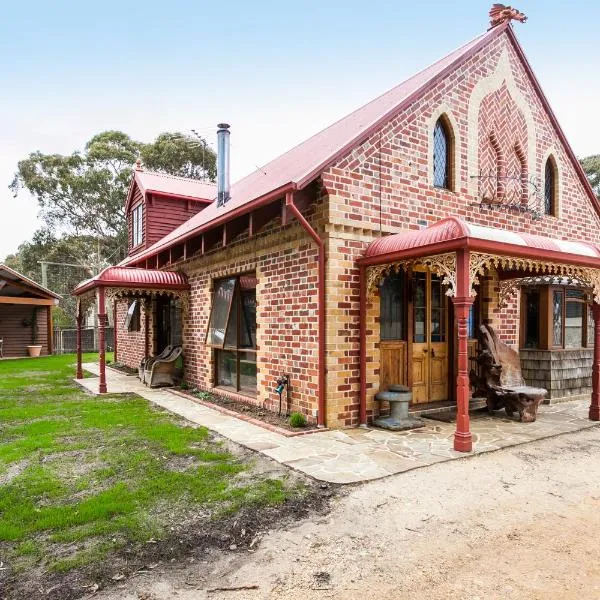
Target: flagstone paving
354, 455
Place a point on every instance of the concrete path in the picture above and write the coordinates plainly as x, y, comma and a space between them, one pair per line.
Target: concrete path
355, 455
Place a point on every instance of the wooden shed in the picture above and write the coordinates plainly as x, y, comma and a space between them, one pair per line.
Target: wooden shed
25, 314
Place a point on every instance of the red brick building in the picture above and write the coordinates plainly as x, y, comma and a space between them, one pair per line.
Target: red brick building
336, 263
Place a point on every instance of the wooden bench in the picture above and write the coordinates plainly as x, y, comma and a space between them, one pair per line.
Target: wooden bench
148, 360
500, 380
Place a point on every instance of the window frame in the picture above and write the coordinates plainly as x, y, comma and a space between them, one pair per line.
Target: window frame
133, 321
551, 167
236, 297
137, 225
546, 313
444, 124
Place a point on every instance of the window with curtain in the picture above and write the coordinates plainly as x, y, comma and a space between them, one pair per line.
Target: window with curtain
442, 155
232, 332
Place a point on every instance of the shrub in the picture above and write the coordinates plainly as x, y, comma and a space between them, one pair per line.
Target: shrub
184, 385
297, 419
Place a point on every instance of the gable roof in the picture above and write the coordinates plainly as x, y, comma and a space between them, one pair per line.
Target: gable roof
171, 186
298, 167
23, 285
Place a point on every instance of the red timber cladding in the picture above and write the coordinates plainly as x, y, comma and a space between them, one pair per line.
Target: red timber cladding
16, 335
385, 186
163, 215
131, 344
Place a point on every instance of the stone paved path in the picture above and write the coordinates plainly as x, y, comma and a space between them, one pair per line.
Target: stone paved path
354, 455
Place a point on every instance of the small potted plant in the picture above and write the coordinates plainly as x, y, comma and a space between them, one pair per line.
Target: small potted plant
34, 349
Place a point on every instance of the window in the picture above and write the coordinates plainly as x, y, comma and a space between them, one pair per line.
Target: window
392, 308
132, 319
567, 312
442, 154
137, 225
232, 332
550, 188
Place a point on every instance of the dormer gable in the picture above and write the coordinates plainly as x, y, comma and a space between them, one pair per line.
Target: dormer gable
158, 203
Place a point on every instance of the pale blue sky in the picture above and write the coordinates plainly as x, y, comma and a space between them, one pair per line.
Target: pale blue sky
277, 71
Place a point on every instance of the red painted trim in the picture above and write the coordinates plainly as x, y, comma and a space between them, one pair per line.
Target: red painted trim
416, 95
181, 197
289, 202
478, 245
232, 214
362, 337
102, 339
563, 138
594, 411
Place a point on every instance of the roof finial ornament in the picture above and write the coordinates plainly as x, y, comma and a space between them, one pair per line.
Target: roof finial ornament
138, 165
499, 13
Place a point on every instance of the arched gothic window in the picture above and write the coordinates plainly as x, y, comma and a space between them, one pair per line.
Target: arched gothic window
443, 150
550, 187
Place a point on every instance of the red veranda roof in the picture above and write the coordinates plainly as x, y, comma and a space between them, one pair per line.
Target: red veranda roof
124, 277
453, 233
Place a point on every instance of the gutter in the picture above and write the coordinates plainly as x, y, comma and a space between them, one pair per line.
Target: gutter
289, 203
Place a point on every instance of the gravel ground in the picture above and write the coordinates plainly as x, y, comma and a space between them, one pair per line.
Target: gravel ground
523, 523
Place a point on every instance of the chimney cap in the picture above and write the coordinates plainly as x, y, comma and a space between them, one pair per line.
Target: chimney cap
223, 126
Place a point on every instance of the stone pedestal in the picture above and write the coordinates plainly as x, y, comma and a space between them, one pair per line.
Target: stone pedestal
399, 398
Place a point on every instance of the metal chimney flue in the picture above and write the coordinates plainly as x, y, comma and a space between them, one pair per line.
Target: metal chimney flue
222, 164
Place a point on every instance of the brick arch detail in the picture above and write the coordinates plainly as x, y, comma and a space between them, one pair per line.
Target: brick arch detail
502, 76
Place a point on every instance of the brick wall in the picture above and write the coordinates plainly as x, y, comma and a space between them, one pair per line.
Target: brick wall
131, 344
385, 186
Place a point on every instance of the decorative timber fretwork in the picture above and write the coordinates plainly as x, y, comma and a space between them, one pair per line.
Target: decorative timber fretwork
441, 264
115, 293
480, 263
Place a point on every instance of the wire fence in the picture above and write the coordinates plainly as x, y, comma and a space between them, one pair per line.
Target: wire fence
65, 340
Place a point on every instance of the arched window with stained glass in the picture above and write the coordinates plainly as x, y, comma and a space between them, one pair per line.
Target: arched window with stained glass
443, 152
550, 188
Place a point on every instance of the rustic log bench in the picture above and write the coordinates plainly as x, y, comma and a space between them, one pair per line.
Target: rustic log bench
500, 380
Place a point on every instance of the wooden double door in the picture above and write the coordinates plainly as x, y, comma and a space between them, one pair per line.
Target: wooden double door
429, 359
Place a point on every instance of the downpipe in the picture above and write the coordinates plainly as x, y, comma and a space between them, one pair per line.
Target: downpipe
289, 202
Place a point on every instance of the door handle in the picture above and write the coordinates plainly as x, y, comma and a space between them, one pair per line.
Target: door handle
432, 353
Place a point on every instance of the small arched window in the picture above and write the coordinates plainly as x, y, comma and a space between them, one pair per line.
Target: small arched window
550, 187
442, 154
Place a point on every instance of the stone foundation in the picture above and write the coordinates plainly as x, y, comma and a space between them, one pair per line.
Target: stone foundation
564, 373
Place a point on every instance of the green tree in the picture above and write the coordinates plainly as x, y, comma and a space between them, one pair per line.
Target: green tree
591, 166
82, 199
84, 193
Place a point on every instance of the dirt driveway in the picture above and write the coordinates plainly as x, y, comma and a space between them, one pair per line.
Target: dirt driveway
519, 523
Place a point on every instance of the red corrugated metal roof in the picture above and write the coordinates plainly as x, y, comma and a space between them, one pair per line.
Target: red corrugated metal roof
171, 185
134, 278
300, 165
452, 229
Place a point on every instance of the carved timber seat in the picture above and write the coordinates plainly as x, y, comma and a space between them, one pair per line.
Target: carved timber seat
148, 360
500, 380
164, 371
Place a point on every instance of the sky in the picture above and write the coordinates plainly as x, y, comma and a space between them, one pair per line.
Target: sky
278, 72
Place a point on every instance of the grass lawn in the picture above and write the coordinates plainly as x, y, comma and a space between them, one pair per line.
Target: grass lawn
82, 477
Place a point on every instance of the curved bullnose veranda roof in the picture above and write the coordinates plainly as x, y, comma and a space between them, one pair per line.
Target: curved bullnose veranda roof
453, 233
124, 277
